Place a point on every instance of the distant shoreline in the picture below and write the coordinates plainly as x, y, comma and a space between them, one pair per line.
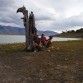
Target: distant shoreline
68, 35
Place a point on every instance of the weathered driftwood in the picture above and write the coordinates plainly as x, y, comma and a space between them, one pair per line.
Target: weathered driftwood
29, 23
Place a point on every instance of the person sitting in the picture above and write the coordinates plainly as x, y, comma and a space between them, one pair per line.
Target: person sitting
43, 40
49, 42
36, 44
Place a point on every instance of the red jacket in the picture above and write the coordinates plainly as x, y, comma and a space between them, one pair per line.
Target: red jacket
43, 39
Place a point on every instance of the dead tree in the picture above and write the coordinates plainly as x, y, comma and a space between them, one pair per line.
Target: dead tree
32, 29
29, 24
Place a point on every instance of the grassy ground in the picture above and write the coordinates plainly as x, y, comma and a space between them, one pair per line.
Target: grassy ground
63, 64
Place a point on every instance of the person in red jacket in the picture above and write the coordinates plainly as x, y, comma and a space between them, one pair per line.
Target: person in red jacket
43, 40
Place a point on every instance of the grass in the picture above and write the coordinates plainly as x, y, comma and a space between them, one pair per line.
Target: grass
63, 64
70, 35
12, 47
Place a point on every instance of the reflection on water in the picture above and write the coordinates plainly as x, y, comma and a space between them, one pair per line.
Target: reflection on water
65, 39
12, 38
21, 38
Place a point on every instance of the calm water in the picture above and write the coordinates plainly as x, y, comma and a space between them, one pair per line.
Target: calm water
21, 38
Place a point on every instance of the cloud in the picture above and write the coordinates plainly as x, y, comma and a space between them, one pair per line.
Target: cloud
56, 15
9, 24
73, 22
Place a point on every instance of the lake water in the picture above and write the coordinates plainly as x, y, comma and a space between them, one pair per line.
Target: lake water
21, 38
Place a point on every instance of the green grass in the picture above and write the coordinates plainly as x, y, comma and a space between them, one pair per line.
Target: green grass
12, 47
63, 64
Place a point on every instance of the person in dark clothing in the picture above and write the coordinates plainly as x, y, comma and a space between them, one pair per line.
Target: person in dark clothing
49, 42
36, 43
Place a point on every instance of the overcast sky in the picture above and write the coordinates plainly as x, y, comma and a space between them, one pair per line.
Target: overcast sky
54, 15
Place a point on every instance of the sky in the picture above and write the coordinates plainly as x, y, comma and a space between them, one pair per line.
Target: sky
53, 15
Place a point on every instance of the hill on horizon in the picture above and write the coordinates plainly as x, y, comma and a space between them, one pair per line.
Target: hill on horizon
21, 31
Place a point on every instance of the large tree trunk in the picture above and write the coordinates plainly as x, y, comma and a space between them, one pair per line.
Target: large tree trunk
29, 24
